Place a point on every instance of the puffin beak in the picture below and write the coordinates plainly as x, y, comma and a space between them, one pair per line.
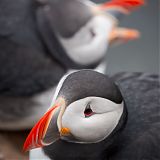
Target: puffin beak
118, 8
123, 35
115, 10
49, 128
106, 6
124, 6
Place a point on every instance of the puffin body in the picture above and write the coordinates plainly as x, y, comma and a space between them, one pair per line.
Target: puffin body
42, 40
88, 119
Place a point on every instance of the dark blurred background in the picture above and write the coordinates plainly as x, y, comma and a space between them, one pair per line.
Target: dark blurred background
142, 54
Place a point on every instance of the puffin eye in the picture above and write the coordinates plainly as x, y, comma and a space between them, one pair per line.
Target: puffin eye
88, 111
92, 32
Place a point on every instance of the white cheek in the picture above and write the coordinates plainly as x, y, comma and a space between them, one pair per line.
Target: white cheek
85, 49
92, 129
103, 105
99, 126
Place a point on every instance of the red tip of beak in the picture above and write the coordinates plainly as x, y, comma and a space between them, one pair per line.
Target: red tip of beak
125, 4
35, 137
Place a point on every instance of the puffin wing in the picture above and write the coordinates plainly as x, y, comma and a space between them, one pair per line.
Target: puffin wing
140, 139
11, 16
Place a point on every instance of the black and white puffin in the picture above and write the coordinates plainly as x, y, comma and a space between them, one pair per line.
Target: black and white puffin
86, 31
87, 119
40, 40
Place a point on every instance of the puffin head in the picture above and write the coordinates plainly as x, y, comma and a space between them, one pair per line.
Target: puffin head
81, 30
88, 109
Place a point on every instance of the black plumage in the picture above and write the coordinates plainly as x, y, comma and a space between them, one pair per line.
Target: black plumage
31, 57
139, 140
78, 14
26, 66
85, 83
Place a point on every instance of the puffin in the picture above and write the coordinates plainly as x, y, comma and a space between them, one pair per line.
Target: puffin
42, 40
99, 117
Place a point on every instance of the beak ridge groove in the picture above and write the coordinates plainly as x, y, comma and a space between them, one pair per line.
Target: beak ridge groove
35, 137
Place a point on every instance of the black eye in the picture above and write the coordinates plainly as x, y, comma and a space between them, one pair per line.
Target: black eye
92, 32
88, 111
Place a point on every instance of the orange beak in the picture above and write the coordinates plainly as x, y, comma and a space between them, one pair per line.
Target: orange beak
122, 35
38, 137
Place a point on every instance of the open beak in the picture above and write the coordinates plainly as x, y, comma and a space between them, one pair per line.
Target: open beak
49, 128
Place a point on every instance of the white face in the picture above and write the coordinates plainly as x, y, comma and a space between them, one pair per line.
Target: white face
92, 125
90, 43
